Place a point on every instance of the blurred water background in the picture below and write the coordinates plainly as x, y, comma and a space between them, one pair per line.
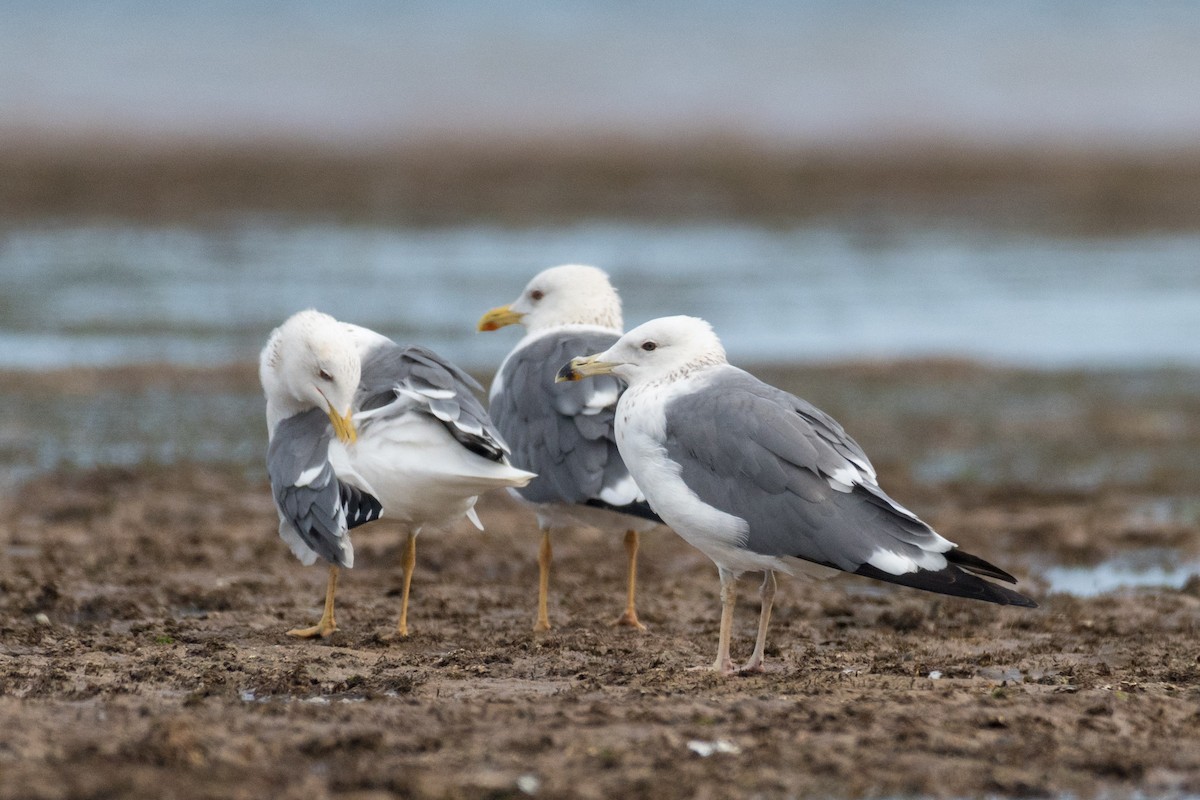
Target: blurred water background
830, 183
829, 72
82, 283
107, 295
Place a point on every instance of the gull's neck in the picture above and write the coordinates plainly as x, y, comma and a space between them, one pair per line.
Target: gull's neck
608, 318
695, 370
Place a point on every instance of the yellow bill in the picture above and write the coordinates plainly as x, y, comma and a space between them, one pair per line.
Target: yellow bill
499, 317
584, 367
343, 426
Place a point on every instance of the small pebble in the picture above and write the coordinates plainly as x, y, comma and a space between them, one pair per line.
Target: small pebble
705, 749
41, 619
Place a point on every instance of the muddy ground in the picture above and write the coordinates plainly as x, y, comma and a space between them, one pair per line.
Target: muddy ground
143, 654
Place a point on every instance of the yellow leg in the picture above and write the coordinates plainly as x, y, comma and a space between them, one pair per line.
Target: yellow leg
630, 616
724, 664
767, 593
327, 625
407, 562
545, 555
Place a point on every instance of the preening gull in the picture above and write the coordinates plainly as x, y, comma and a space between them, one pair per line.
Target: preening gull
361, 427
564, 431
762, 481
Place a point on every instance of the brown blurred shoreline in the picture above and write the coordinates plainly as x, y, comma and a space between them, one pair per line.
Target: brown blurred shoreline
555, 182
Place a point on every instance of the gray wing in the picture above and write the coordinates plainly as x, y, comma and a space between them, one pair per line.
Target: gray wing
564, 431
805, 488
313, 504
414, 377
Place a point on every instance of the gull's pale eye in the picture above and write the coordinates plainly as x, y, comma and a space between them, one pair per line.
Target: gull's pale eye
536, 294
325, 375
648, 346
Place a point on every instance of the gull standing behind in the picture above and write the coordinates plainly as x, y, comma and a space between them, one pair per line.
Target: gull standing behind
564, 432
408, 439
762, 481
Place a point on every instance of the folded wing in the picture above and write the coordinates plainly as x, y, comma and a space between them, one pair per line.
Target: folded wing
807, 490
316, 509
564, 431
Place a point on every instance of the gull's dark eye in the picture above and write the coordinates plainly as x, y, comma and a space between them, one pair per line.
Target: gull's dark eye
325, 375
648, 346
536, 294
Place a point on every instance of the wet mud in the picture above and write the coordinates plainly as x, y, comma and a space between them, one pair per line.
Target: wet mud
143, 654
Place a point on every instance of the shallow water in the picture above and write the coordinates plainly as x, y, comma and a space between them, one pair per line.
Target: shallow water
41, 432
96, 295
1147, 568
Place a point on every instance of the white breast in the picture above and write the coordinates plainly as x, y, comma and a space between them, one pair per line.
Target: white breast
641, 437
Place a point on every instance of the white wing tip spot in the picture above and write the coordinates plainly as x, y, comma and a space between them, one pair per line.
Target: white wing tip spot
309, 475
895, 563
844, 479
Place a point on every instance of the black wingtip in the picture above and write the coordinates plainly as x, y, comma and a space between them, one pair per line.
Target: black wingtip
360, 507
951, 581
641, 509
977, 565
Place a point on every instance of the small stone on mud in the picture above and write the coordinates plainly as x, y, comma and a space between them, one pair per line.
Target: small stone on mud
705, 749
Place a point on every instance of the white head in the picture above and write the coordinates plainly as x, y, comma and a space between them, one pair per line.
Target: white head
568, 295
663, 349
311, 361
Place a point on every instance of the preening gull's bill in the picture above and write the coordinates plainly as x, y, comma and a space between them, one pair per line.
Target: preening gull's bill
361, 427
564, 431
762, 481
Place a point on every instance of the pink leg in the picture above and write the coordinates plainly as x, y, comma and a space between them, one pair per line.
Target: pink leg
724, 664
767, 593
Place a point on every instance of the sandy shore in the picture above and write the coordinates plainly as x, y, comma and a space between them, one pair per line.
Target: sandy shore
143, 654
562, 181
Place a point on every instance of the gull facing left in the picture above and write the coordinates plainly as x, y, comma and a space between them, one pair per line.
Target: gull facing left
361, 427
564, 432
762, 481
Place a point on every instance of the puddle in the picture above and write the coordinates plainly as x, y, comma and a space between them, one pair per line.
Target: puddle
251, 696
1164, 511
1151, 568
